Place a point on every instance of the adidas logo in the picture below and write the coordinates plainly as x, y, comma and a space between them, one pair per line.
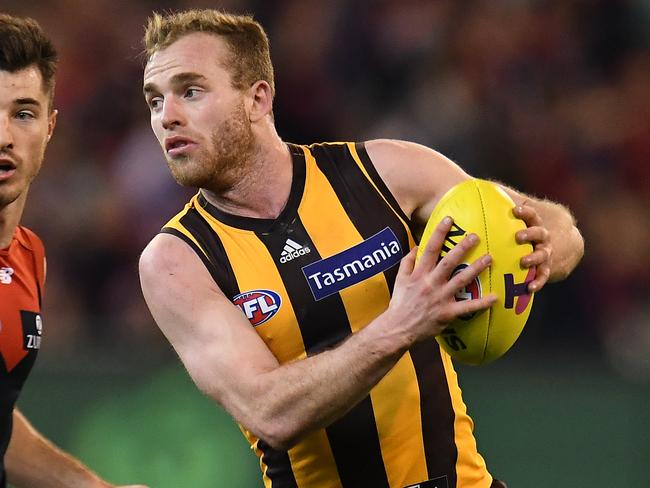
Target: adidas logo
293, 250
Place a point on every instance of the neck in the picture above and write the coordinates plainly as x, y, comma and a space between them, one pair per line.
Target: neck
10, 218
259, 196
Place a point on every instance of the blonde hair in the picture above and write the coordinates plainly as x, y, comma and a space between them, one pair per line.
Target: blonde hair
250, 58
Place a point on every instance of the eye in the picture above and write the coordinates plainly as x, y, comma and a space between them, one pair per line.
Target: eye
192, 92
25, 115
155, 103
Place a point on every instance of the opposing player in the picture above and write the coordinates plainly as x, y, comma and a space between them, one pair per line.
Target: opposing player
288, 287
27, 119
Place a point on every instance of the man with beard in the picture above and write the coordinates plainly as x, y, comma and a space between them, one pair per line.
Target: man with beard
332, 371
27, 119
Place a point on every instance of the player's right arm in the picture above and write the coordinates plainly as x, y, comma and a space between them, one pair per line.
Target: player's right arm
280, 403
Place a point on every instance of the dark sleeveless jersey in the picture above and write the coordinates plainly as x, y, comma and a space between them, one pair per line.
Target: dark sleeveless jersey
321, 271
22, 277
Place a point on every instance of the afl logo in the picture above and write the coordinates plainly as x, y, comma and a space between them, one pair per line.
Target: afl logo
258, 305
471, 292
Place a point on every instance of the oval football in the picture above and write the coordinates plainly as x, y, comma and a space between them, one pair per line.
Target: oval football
482, 207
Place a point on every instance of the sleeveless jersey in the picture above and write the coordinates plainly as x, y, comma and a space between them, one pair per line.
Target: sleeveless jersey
22, 277
321, 271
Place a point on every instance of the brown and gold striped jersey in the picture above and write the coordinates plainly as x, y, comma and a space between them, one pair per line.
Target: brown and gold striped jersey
321, 271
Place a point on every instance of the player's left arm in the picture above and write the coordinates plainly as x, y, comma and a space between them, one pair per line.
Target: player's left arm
33, 461
418, 177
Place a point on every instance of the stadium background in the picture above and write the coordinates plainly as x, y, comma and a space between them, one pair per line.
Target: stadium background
549, 96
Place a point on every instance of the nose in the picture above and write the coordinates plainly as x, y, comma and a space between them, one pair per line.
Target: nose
6, 137
172, 114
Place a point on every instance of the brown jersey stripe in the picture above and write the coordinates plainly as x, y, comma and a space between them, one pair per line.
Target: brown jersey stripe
351, 184
353, 438
364, 206
356, 448
323, 324
440, 448
398, 431
219, 265
278, 466
437, 411
395, 399
372, 171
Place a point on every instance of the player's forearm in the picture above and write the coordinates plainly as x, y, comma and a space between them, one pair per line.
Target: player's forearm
33, 461
299, 397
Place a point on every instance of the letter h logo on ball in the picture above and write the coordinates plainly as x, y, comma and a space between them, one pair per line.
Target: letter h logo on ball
519, 291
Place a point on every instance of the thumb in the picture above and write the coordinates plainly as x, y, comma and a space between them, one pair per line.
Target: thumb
407, 264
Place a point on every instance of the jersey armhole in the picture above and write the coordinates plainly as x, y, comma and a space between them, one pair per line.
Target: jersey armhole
38, 255
360, 154
207, 262
372, 173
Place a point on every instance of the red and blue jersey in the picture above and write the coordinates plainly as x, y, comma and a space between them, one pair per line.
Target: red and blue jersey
22, 277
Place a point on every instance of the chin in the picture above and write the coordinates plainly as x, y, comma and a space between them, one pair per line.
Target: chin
185, 178
7, 198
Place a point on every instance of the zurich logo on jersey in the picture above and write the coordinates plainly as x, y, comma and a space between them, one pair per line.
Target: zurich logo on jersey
358, 263
258, 305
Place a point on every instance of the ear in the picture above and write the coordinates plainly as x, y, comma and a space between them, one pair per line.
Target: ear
51, 123
262, 100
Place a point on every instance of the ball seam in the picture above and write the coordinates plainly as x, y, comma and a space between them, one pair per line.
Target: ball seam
489, 269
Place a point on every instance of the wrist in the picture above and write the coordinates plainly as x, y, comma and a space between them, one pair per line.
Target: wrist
390, 339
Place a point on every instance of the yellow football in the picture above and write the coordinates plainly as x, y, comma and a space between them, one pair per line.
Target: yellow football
483, 208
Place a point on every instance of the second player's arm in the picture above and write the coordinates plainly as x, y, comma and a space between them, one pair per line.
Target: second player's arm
280, 403
35, 462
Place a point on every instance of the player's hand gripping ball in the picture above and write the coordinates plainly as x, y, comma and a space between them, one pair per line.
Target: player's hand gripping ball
483, 208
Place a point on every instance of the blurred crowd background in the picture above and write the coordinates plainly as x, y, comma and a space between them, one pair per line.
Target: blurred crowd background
549, 96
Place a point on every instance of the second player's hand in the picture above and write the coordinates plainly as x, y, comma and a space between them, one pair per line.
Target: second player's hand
423, 301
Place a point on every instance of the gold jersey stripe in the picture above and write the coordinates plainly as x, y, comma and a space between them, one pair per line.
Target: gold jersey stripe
398, 419
470, 465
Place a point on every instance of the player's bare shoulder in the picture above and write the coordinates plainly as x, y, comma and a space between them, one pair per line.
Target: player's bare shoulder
170, 270
165, 254
416, 175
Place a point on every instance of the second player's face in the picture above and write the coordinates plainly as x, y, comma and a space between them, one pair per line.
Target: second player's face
26, 125
198, 117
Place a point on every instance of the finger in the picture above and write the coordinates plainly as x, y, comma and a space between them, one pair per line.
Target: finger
467, 275
465, 307
538, 257
431, 251
532, 234
542, 275
528, 214
442, 272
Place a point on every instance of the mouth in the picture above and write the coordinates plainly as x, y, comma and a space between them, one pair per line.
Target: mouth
178, 145
7, 169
